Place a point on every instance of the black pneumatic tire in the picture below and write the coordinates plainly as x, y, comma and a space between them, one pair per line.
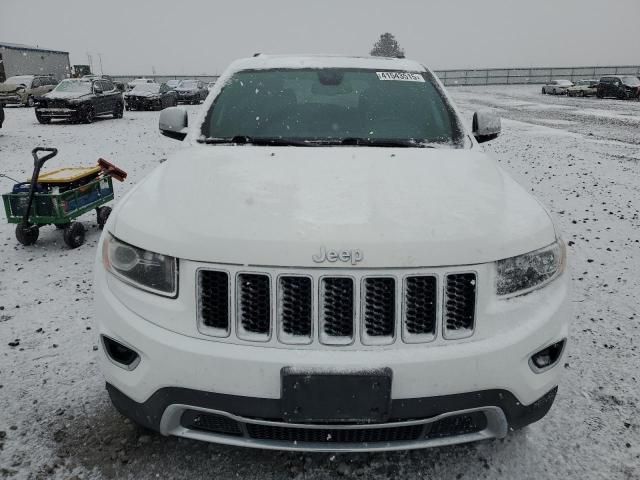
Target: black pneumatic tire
27, 234
118, 111
102, 215
43, 120
88, 114
30, 102
74, 234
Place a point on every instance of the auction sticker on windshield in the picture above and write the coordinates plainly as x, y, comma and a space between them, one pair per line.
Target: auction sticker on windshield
401, 76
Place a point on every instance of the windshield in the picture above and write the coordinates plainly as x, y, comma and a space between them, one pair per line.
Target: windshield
78, 86
631, 81
173, 83
334, 106
20, 80
188, 84
147, 87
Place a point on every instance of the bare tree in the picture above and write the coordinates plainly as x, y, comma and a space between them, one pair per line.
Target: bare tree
387, 46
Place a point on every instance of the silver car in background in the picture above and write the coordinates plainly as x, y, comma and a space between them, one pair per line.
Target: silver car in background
556, 87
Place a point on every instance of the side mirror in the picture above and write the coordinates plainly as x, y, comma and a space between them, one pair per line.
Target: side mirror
174, 123
486, 126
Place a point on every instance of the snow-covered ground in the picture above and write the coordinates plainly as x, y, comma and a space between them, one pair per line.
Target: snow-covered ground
581, 157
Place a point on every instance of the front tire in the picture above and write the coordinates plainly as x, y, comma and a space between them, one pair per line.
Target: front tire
42, 119
30, 101
102, 215
89, 114
118, 111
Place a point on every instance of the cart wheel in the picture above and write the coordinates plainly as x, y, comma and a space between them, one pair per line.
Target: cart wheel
74, 234
27, 234
103, 215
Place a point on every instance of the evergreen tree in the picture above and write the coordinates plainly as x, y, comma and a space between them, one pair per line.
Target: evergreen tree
387, 46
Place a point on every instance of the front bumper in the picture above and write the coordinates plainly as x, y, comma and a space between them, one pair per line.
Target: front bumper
57, 112
188, 97
12, 100
179, 372
255, 422
141, 102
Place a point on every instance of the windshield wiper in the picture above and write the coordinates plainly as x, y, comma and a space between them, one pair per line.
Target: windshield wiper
247, 140
385, 142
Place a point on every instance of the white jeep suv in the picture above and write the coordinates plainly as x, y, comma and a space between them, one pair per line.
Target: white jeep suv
331, 263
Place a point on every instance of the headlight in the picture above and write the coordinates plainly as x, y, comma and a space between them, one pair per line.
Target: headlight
532, 270
143, 269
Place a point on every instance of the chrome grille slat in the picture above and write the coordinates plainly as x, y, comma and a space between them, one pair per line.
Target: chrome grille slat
337, 310
295, 307
378, 307
360, 308
459, 304
213, 299
421, 305
254, 304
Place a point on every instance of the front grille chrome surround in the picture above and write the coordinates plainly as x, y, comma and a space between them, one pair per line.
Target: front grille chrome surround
350, 308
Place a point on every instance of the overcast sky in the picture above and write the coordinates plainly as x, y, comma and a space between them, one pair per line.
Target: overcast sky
202, 37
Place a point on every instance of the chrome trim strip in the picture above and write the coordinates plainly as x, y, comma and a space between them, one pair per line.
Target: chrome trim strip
497, 427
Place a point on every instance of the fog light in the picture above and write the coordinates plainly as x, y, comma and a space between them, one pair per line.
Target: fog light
547, 357
120, 354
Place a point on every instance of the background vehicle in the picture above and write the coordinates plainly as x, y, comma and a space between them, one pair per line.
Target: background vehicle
80, 100
150, 96
119, 85
622, 87
192, 91
583, 88
23, 89
210, 85
136, 81
556, 87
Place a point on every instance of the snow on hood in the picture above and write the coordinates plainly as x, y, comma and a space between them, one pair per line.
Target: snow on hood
278, 206
140, 93
57, 94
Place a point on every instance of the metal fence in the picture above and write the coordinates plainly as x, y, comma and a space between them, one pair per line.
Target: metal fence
486, 76
166, 78
538, 75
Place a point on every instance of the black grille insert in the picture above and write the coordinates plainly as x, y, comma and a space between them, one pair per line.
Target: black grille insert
379, 311
295, 305
210, 422
254, 302
458, 425
460, 301
334, 435
214, 299
336, 310
421, 300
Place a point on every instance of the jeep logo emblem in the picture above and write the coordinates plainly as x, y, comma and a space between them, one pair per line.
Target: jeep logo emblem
353, 256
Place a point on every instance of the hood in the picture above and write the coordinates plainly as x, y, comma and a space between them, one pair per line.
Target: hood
9, 87
64, 95
279, 206
141, 94
186, 89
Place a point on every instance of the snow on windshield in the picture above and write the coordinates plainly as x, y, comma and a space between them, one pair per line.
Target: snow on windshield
147, 87
79, 86
188, 84
330, 104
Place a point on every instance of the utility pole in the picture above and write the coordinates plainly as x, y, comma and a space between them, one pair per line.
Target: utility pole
100, 57
90, 62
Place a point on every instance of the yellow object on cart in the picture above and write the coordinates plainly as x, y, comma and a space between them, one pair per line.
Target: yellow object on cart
68, 174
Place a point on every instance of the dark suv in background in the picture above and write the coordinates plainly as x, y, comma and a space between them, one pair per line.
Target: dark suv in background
80, 100
619, 86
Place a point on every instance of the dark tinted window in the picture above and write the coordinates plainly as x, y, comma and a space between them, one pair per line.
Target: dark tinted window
332, 104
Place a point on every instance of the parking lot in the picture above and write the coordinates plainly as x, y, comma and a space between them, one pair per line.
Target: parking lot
579, 156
